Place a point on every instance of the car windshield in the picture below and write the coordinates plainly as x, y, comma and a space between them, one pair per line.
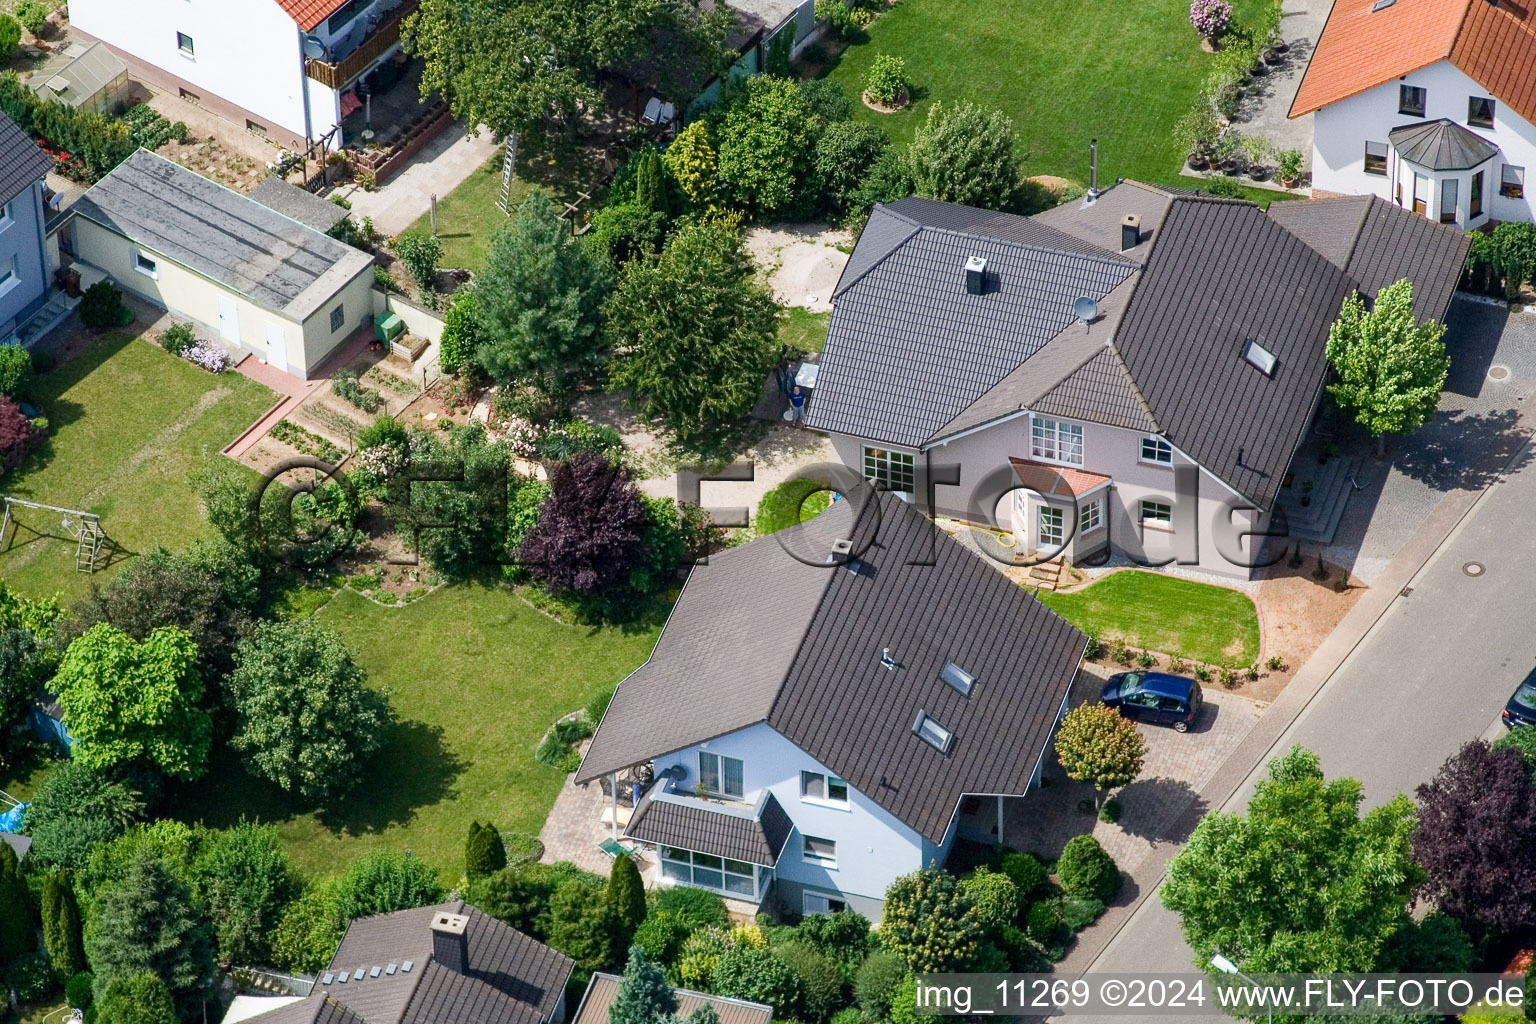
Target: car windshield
1526, 696
1130, 684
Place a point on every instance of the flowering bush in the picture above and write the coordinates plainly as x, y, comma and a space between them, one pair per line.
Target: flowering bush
209, 357
382, 460
1210, 17
17, 435
520, 436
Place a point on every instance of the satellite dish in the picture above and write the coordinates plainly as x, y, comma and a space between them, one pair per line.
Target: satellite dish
314, 49
1085, 309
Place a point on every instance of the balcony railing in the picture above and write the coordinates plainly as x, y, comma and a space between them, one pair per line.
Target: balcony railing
338, 74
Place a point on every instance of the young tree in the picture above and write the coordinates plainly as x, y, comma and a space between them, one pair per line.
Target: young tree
579, 923
644, 997
305, 717
625, 896
243, 877
1323, 887
17, 931
844, 155
651, 184
1096, 744
147, 922
691, 161
695, 335
62, 935
127, 700
588, 533
931, 924
484, 852
1390, 368
420, 254
15, 372
461, 333
539, 301
1477, 837
140, 998
965, 154
768, 146
77, 809
527, 67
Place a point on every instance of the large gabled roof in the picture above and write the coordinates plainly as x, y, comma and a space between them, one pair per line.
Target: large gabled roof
22, 162
916, 591
1361, 48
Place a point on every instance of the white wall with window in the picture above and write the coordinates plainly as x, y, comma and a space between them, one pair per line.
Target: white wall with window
1055, 440
735, 878
1343, 161
894, 470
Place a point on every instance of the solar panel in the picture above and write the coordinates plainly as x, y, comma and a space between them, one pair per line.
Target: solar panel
329, 977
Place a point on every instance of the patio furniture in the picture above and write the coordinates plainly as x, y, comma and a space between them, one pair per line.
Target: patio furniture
612, 848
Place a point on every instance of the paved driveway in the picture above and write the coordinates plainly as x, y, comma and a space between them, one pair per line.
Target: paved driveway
1432, 675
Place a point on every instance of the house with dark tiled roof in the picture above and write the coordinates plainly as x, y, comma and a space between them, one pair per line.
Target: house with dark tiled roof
1428, 104
1129, 374
24, 265
287, 70
444, 964
828, 708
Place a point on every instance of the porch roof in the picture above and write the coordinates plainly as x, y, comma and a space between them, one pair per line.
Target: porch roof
692, 826
1064, 481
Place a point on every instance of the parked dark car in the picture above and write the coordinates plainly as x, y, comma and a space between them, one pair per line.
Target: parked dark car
1521, 709
1155, 697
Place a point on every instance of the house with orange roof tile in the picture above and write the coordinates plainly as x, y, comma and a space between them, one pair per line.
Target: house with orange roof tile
1429, 104
287, 70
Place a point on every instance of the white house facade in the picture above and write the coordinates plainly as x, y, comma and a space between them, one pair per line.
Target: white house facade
287, 70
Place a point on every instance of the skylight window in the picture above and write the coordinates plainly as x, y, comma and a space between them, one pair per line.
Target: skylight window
958, 677
932, 733
1260, 358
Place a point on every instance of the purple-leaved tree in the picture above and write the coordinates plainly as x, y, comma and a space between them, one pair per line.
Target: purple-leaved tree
1476, 837
589, 531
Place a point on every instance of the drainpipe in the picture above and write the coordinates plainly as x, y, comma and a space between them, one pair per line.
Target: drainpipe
614, 780
304, 98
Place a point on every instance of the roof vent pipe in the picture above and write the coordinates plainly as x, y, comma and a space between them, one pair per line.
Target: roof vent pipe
888, 661
1093, 168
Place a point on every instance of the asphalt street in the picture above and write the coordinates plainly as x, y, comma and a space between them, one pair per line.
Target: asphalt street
1431, 675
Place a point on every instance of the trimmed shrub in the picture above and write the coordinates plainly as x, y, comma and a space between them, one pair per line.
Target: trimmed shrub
1079, 914
661, 935
484, 852
102, 306
694, 908
817, 977
1026, 871
10, 35
887, 79
461, 332
1044, 922
177, 338
15, 371
876, 981
994, 897
77, 990
1087, 871
791, 502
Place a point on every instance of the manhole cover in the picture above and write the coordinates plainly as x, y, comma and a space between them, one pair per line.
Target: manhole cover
1474, 569
1498, 373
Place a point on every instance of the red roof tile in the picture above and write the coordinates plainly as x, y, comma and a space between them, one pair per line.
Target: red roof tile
1045, 478
310, 13
1361, 48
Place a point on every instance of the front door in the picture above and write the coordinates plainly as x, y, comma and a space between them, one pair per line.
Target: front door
229, 319
277, 345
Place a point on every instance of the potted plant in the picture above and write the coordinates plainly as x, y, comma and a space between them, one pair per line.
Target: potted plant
1327, 452
1259, 151
1210, 18
1196, 131
1288, 166
1229, 152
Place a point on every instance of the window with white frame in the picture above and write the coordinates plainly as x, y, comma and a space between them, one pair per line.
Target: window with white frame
816, 788
708, 871
5, 216
1375, 158
819, 851
1480, 111
1155, 449
1090, 516
721, 775
8, 278
1053, 439
1156, 512
820, 903
145, 265
893, 470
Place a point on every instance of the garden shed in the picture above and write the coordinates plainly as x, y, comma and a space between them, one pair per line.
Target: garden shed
90, 79
260, 281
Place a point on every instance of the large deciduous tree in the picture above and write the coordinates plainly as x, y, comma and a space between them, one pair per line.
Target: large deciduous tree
1391, 367
27, 658
533, 68
148, 922
1302, 881
694, 332
1097, 745
590, 528
306, 718
966, 154
382, 882
539, 302
126, 700
1477, 837
767, 155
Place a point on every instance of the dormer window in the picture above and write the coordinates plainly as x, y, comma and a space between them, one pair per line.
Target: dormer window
1260, 358
932, 733
958, 677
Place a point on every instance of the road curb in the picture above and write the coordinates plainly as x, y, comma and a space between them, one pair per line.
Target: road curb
1294, 699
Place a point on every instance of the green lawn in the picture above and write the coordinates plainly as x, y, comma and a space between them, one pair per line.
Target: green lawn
802, 328
1066, 71
128, 423
468, 217
1198, 621
476, 676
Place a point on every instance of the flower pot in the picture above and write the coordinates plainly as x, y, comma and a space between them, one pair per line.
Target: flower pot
1288, 182
1231, 165
1272, 56
1258, 172
1198, 162
1282, 47
1260, 68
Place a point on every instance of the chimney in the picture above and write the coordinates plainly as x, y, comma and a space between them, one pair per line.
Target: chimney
1130, 231
976, 275
1093, 168
449, 946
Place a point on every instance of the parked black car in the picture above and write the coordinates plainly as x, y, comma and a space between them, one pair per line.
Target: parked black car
1155, 697
1521, 709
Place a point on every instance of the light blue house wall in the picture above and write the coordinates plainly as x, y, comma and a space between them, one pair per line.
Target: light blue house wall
873, 847
21, 254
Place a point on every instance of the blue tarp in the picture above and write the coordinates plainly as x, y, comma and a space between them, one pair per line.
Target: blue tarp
10, 821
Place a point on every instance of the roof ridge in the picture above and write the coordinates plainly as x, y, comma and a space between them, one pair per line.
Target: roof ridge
842, 286
1461, 24
1110, 258
1130, 379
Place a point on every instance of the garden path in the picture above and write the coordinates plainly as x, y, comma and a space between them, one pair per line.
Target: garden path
1301, 23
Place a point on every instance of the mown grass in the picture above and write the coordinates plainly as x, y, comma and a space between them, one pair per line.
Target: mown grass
1199, 621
